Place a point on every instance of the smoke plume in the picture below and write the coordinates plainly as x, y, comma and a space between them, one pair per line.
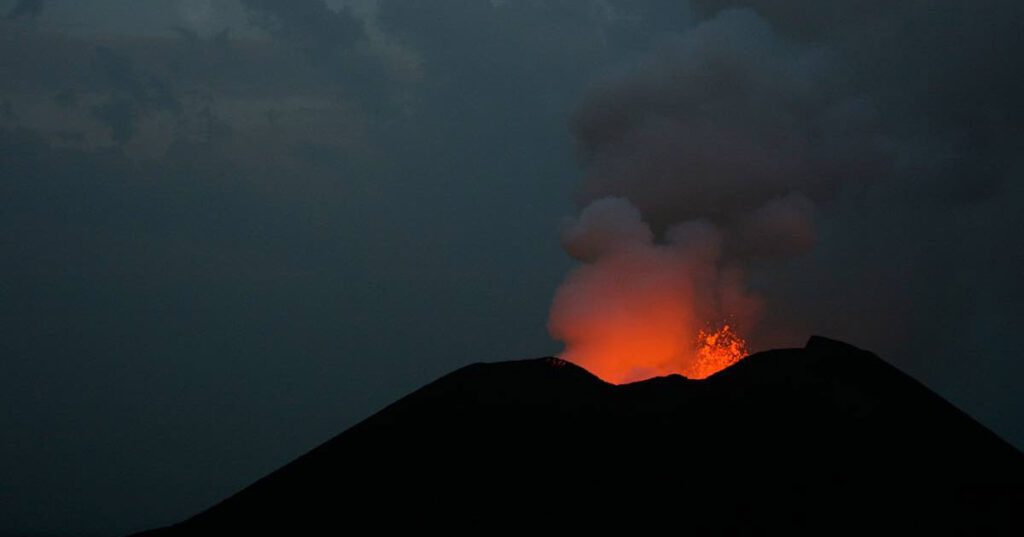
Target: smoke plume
707, 157
636, 306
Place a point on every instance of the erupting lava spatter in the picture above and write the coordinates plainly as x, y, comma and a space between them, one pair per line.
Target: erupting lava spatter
638, 306
629, 355
716, 351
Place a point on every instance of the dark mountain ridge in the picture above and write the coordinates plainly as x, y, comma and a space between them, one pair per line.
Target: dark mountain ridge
825, 439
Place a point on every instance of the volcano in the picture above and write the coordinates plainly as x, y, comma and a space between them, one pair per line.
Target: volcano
827, 439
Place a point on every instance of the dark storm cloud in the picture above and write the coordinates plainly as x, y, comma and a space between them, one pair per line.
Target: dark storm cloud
26, 8
132, 93
309, 23
346, 57
482, 62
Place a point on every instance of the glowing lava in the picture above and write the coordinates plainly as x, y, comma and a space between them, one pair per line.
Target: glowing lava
638, 306
715, 352
630, 354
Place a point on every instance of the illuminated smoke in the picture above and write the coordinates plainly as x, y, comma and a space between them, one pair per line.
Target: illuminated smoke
635, 307
708, 156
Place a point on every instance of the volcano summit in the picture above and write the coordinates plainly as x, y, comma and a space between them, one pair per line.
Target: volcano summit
826, 439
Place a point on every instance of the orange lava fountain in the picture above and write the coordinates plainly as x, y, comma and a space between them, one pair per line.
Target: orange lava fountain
716, 351
638, 351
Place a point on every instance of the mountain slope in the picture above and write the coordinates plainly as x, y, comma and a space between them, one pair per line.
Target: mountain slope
827, 438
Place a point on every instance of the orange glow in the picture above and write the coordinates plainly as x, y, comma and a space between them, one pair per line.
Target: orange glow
638, 352
715, 352
638, 308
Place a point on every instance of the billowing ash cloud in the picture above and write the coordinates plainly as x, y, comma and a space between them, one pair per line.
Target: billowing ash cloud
825, 157
635, 308
721, 121
722, 140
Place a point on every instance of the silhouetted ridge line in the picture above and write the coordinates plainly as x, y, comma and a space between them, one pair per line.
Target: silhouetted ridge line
827, 438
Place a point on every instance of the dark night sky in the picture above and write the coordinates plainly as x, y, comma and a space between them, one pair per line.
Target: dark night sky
231, 229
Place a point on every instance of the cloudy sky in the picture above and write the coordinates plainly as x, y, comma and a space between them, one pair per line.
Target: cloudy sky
232, 228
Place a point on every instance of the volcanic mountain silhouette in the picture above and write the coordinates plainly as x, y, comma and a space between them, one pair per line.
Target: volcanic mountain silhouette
827, 439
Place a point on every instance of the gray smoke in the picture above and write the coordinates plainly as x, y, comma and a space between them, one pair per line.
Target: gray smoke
733, 123
836, 150
727, 134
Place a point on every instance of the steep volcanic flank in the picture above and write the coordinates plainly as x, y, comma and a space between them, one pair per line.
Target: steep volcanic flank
827, 438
